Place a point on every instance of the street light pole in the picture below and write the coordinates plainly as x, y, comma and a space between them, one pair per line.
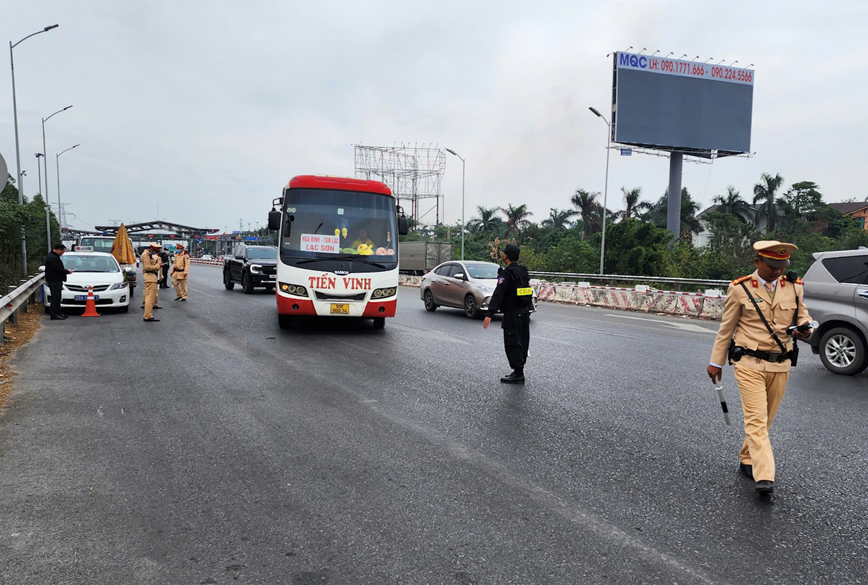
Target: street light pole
17, 146
59, 208
606, 187
45, 151
450, 151
39, 170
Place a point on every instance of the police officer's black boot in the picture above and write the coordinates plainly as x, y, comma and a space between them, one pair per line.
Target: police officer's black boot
517, 377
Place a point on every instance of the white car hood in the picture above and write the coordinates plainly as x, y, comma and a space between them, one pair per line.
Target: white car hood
94, 278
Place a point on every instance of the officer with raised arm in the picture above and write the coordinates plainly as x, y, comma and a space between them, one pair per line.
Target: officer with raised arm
514, 296
755, 332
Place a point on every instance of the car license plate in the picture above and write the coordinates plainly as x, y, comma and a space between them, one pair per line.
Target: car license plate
340, 309
84, 297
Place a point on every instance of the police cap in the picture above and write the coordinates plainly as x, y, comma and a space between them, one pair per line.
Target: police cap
512, 252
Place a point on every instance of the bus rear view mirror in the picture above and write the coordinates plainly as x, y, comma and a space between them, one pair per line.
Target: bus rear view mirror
403, 226
274, 220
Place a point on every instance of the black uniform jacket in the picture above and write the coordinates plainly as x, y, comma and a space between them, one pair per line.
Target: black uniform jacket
506, 295
54, 269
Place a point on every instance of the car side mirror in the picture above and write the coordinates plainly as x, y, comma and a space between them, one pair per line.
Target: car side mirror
274, 220
403, 226
460, 276
42, 269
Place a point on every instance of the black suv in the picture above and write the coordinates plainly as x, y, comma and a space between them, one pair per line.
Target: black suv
251, 266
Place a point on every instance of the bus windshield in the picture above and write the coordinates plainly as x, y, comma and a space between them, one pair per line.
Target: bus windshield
329, 224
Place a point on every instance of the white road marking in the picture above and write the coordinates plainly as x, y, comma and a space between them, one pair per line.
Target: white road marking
427, 334
675, 325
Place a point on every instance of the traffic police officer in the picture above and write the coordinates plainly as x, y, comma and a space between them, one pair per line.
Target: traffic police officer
514, 296
761, 362
151, 267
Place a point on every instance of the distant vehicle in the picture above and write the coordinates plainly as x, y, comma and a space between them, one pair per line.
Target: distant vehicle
99, 270
251, 266
421, 257
466, 285
104, 244
836, 292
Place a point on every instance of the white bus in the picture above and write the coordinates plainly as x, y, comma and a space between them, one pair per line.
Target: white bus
338, 249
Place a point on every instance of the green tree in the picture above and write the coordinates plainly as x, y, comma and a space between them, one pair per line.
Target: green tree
487, 222
632, 205
635, 247
585, 203
690, 224
559, 220
733, 204
766, 190
516, 219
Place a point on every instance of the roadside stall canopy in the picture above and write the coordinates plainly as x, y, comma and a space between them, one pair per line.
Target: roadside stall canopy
122, 248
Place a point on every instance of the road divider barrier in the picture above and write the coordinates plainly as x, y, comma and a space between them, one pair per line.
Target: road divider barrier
641, 298
19, 298
206, 262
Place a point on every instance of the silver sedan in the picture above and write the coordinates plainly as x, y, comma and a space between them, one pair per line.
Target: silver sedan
466, 285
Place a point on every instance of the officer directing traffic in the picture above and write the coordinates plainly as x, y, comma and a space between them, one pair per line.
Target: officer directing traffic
755, 330
514, 296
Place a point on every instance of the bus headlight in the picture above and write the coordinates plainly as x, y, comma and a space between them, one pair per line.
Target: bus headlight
382, 293
293, 289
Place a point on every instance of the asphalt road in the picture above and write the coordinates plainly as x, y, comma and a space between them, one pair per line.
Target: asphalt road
212, 448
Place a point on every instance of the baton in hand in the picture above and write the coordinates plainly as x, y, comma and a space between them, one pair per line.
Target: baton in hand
719, 387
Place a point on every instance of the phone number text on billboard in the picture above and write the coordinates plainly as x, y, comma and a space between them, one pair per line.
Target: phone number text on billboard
684, 68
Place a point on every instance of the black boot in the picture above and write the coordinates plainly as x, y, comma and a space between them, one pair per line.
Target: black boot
514, 378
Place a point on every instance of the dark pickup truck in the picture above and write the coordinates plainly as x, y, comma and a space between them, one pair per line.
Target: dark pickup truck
251, 266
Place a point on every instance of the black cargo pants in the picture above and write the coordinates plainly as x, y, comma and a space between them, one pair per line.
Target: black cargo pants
516, 336
56, 290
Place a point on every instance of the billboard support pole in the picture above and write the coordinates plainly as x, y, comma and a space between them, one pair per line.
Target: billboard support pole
673, 206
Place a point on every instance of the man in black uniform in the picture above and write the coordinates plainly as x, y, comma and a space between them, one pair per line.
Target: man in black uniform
55, 276
165, 275
514, 296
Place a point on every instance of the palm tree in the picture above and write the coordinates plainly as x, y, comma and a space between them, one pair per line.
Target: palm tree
632, 204
516, 218
765, 191
733, 204
585, 203
559, 220
487, 222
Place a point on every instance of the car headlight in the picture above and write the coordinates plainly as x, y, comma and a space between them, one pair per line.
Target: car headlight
255, 268
486, 289
382, 293
118, 285
293, 289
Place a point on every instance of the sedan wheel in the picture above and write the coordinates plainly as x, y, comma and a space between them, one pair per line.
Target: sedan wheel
470, 308
843, 352
430, 305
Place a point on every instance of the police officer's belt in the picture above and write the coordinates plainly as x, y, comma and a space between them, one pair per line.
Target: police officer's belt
768, 356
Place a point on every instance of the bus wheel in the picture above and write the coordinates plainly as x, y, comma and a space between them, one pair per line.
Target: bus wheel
379, 322
287, 321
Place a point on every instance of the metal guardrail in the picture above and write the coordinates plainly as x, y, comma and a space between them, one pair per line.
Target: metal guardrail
677, 282
12, 303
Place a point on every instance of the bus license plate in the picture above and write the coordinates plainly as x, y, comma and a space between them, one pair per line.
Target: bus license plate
340, 309
84, 297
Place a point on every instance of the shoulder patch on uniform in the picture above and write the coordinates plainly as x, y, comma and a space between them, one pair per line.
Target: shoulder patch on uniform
799, 281
740, 280
501, 280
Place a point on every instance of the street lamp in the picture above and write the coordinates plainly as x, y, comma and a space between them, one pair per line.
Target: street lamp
45, 150
452, 152
17, 148
59, 208
39, 170
606, 188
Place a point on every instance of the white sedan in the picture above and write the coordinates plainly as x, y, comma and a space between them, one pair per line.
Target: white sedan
96, 269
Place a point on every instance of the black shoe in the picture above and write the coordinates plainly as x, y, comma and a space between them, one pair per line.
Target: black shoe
746, 469
765, 486
177, 298
184, 299
151, 320
157, 307
58, 318
513, 378
64, 316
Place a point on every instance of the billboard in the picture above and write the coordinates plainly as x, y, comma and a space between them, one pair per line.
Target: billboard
692, 107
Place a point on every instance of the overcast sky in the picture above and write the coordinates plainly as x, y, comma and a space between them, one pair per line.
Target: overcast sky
199, 112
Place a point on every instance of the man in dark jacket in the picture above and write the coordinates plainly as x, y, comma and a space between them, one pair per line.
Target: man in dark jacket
55, 276
514, 296
164, 279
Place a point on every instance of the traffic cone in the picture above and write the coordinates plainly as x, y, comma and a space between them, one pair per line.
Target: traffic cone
90, 307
